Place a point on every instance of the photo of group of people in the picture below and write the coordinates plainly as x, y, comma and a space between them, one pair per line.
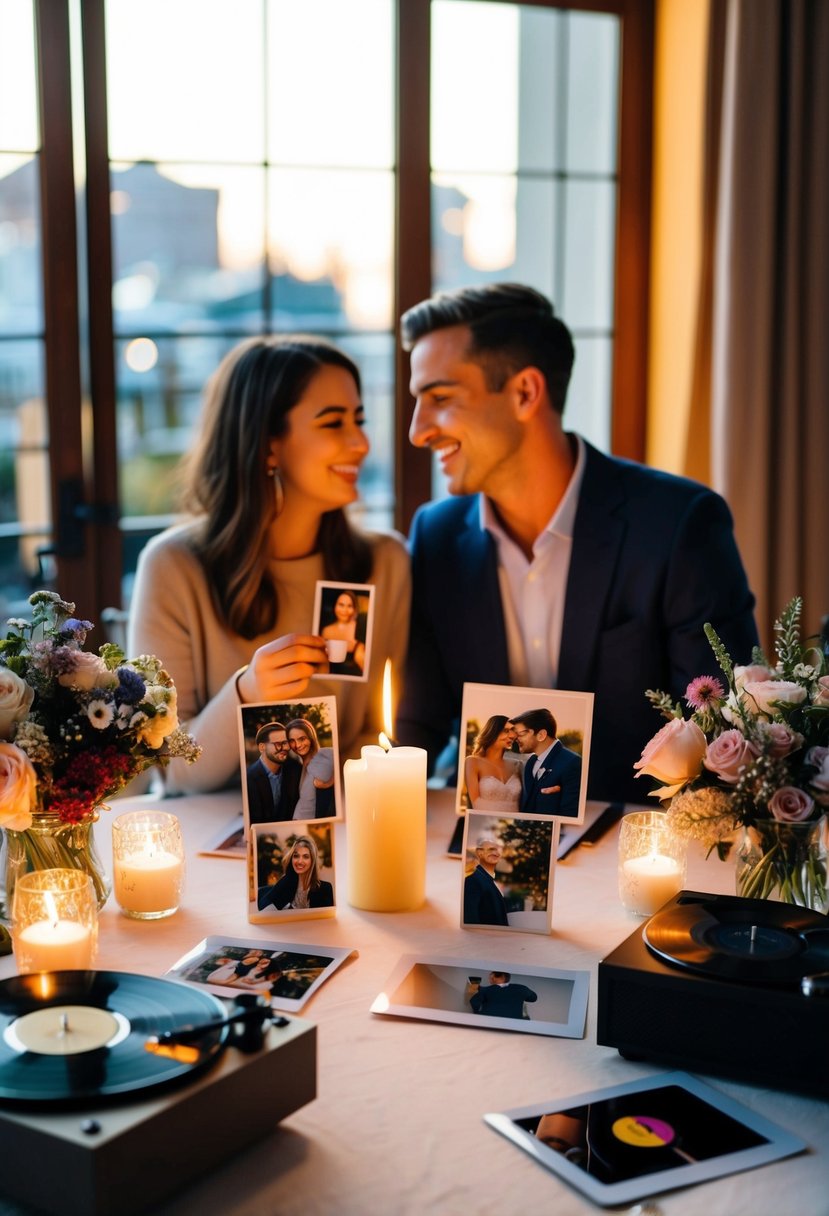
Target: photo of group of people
489, 994
292, 872
286, 972
343, 617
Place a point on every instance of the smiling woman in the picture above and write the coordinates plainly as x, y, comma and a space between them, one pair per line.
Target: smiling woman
231, 593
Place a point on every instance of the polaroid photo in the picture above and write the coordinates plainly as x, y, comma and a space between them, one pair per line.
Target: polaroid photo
288, 972
291, 872
508, 870
524, 751
624, 1143
344, 616
290, 761
228, 841
489, 994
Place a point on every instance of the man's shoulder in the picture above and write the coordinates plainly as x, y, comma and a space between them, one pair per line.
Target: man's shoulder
640, 481
436, 518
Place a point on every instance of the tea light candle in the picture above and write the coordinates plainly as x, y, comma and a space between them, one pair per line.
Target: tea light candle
59, 945
649, 882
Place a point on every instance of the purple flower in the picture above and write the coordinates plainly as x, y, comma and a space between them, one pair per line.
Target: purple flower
703, 692
131, 686
75, 630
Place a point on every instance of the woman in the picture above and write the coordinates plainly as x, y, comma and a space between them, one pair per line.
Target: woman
493, 781
227, 598
316, 785
300, 885
344, 628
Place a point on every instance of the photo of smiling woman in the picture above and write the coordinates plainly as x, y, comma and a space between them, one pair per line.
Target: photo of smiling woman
228, 596
316, 785
300, 885
346, 623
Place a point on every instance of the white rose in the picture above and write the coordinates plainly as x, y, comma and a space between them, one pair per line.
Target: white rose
674, 756
16, 697
753, 672
90, 671
764, 695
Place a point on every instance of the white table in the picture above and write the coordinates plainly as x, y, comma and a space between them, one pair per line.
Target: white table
397, 1127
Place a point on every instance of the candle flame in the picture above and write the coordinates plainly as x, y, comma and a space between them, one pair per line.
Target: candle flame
388, 716
385, 741
51, 908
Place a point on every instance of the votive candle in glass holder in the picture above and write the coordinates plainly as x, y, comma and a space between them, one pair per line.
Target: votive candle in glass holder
54, 921
651, 862
148, 864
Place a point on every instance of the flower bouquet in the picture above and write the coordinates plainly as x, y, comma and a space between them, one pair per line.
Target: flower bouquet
75, 728
753, 754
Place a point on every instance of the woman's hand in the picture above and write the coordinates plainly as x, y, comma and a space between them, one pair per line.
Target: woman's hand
282, 668
323, 785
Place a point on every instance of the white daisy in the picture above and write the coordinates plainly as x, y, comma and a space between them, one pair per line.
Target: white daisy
100, 713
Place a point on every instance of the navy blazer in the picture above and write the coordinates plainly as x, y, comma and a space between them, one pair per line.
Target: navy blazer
502, 1000
653, 559
563, 768
260, 795
483, 903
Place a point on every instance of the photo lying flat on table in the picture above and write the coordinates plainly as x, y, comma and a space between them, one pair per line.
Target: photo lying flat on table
343, 615
524, 751
289, 972
508, 870
290, 761
291, 872
620, 1144
227, 841
489, 994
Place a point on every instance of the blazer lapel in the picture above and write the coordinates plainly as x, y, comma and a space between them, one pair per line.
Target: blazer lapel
597, 537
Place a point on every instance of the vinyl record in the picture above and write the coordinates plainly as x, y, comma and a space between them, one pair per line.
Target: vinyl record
749, 940
70, 1037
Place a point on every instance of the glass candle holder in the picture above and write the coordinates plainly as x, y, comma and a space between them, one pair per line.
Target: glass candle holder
651, 862
148, 864
54, 921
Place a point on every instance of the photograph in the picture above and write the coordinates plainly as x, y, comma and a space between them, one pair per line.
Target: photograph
290, 761
508, 869
228, 841
343, 616
623, 1143
291, 872
524, 751
287, 972
489, 994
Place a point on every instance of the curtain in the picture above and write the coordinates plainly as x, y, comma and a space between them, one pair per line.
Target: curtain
761, 365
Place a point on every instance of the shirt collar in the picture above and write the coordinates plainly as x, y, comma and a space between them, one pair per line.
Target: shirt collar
563, 519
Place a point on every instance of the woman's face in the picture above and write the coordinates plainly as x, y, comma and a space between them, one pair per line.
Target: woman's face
319, 457
506, 737
344, 608
299, 741
301, 860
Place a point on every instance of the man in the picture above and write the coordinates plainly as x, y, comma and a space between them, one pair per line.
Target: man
552, 774
483, 903
551, 565
501, 998
273, 779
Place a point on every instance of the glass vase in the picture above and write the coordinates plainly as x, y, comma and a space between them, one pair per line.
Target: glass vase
784, 862
51, 844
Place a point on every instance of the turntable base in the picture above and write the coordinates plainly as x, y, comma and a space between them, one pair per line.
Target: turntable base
116, 1160
764, 1033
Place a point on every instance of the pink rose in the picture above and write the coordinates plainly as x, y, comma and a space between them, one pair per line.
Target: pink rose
729, 755
18, 788
16, 697
754, 671
782, 740
674, 755
763, 695
90, 671
822, 691
791, 805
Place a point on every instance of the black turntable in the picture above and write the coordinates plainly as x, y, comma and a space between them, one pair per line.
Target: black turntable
127, 1085
723, 985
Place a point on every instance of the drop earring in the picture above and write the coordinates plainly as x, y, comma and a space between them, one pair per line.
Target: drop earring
278, 490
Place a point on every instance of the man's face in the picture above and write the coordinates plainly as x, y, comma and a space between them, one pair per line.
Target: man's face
527, 740
275, 750
489, 853
473, 430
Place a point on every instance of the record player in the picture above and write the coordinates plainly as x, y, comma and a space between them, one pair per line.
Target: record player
118, 1089
723, 985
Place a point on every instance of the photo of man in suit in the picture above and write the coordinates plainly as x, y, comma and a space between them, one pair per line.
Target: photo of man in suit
552, 775
500, 998
483, 903
273, 779
551, 564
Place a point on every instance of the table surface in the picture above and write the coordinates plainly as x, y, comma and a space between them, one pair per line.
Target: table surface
397, 1126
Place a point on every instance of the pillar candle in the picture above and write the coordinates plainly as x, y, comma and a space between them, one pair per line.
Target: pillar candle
385, 803
148, 883
60, 945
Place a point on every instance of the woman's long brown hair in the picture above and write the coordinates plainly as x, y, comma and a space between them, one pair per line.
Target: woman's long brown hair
247, 403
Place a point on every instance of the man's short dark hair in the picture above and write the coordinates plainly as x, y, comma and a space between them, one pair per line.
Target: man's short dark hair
511, 327
264, 731
536, 720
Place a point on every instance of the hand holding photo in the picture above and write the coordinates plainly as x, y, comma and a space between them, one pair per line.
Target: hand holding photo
343, 614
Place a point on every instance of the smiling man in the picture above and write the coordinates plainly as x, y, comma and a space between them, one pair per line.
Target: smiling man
551, 565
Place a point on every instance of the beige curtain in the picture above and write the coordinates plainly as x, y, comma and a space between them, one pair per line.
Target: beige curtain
761, 369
